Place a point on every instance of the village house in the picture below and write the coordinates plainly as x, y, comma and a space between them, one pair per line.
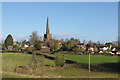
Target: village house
10, 47
95, 48
59, 43
118, 52
14, 43
45, 49
114, 50
81, 45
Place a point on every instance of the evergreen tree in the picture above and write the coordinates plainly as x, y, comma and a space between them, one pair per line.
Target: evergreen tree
8, 41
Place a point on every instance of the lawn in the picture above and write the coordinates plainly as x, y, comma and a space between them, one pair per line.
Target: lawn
93, 59
18, 59
12, 60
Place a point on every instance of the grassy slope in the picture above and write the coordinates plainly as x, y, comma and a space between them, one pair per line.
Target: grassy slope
94, 59
11, 60
18, 59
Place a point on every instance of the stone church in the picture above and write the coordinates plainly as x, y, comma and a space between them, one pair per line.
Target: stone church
47, 36
48, 39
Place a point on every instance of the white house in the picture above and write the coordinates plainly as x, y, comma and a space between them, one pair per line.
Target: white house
105, 48
101, 52
114, 49
110, 46
44, 47
111, 53
118, 52
26, 46
91, 48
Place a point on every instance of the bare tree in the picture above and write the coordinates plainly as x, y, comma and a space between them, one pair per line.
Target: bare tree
41, 38
90, 42
66, 40
98, 42
34, 37
115, 43
84, 41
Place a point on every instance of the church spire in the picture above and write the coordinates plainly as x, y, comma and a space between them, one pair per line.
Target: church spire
47, 36
47, 26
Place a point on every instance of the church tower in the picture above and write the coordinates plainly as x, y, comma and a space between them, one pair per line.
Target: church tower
47, 36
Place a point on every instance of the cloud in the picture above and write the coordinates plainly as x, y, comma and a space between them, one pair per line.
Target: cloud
24, 37
63, 35
59, 35
20, 37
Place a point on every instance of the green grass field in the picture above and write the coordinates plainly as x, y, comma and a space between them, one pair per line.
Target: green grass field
12, 60
18, 59
93, 59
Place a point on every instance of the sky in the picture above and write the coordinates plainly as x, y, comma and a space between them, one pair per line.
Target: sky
96, 21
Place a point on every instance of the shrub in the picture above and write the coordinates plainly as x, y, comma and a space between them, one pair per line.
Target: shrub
64, 46
28, 49
96, 52
59, 60
35, 63
38, 45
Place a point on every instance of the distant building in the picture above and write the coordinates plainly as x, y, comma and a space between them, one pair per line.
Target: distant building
91, 48
48, 39
14, 43
118, 52
25, 46
45, 49
59, 43
81, 45
10, 47
95, 48
47, 36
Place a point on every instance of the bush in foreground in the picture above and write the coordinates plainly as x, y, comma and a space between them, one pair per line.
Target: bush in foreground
59, 60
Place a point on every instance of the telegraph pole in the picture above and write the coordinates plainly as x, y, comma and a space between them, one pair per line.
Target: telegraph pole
89, 66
